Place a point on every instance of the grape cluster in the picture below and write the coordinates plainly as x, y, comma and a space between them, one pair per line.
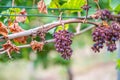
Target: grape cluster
63, 42
98, 38
105, 14
106, 35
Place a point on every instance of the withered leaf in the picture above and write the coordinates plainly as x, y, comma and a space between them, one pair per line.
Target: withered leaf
21, 18
37, 45
3, 30
15, 28
105, 24
42, 7
9, 47
97, 14
96, 0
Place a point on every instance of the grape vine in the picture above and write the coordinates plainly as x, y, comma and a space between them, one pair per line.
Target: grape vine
106, 32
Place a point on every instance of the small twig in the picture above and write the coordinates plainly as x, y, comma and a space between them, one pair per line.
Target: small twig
116, 16
2, 49
97, 3
87, 10
79, 24
24, 46
84, 30
3, 52
13, 1
8, 54
33, 3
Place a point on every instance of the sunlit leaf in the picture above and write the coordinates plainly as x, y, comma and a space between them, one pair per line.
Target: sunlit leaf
114, 3
117, 9
54, 4
118, 64
66, 26
74, 4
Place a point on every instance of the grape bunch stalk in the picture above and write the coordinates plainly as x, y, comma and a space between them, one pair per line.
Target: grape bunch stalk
107, 35
63, 42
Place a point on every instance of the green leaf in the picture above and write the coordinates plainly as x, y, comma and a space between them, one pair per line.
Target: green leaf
13, 11
114, 3
117, 9
54, 4
27, 21
74, 4
61, 27
118, 64
5, 20
105, 4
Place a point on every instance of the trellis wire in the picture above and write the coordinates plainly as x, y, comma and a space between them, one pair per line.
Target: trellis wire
26, 7
38, 15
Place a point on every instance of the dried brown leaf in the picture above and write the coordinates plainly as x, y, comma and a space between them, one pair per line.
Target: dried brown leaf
96, 0
15, 28
97, 14
42, 7
3, 30
37, 45
105, 24
9, 47
21, 18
